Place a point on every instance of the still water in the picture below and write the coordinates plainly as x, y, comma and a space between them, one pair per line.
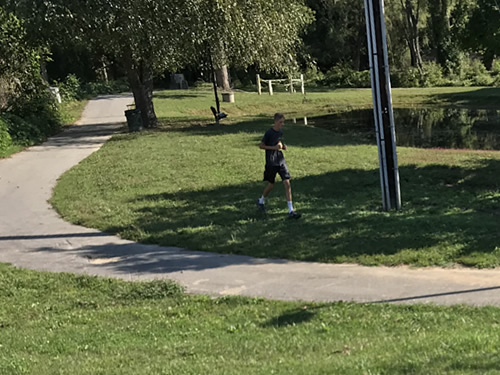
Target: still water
423, 127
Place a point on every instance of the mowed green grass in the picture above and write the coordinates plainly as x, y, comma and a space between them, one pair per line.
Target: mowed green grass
193, 105
68, 324
194, 186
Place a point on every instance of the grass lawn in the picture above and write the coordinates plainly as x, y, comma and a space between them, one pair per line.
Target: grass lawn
67, 324
192, 185
71, 111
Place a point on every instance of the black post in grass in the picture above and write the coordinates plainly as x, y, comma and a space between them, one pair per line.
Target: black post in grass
218, 115
382, 104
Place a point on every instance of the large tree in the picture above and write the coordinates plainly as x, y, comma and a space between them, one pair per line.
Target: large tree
157, 35
483, 35
338, 35
412, 11
446, 28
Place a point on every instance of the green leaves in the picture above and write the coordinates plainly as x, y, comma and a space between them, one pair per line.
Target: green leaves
175, 33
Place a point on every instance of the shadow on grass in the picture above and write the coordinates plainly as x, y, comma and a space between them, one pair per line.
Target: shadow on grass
485, 98
170, 95
293, 317
295, 135
450, 216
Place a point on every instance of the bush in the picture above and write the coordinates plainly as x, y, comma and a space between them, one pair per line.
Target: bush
32, 118
495, 68
410, 77
474, 73
92, 89
22, 132
71, 88
313, 75
432, 75
344, 76
495, 71
5, 138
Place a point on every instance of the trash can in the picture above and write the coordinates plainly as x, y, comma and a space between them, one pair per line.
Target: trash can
228, 97
134, 120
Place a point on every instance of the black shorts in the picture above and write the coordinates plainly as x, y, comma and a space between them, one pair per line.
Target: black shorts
270, 173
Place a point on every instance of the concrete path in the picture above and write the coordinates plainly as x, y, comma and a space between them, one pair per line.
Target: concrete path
33, 236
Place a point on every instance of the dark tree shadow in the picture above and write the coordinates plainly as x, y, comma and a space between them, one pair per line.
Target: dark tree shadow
163, 95
296, 135
480, 98
444, 208
342, 218
135, 258
293, 317
84, 135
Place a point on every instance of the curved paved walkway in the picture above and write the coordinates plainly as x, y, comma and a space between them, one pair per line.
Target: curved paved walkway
33, 236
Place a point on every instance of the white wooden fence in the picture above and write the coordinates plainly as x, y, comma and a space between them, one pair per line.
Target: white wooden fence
289, 84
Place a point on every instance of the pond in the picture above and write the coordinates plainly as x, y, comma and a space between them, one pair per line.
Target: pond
423, 127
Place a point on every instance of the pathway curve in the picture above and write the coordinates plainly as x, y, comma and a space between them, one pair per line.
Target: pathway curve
33, 236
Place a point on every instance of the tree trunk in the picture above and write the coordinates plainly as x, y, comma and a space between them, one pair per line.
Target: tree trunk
440, 30
488, 59
361, 38
43, 70
222, 78
141, 82
412, 33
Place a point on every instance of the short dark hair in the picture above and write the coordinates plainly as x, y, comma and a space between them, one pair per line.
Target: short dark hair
278, 116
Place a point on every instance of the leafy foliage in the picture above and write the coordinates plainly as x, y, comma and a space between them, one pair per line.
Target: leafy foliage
345, 76
474, 73
157, 35
338, 36
5, 138
22, 132
26, 105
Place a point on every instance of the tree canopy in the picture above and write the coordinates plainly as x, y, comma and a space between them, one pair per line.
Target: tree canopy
148, 36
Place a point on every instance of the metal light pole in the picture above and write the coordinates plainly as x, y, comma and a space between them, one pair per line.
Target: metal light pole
382, 104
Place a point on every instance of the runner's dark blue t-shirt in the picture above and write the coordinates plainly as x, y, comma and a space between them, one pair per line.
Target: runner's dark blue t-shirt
274, 158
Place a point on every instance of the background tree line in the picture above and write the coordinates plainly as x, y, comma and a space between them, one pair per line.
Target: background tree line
78, 43
431, 42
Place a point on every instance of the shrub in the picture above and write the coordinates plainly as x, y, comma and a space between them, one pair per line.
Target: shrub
5, 138
432, 75
92, 89
409, 77
495, 71
313, 75
71, 88
33, 118
22, 132
364, 78
474, 73
344, 76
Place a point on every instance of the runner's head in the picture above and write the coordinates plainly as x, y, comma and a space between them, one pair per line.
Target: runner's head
279, 120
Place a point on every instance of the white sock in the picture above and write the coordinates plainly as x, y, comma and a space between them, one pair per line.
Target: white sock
290, 206
261, 200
